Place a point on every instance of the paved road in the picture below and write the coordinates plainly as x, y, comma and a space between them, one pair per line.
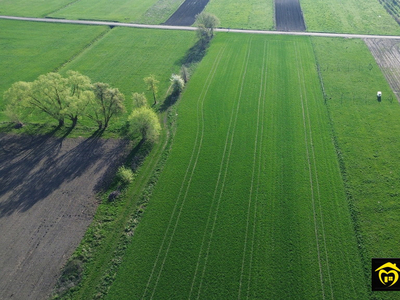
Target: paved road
83, 22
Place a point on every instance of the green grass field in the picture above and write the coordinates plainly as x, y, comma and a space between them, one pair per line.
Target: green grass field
31, 49
251, 202
254, 14
122, 57
367, 134
31, 8
125, 56
116, 10
159, 12
352, 16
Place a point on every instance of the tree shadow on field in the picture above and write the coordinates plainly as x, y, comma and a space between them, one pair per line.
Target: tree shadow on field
33, 167
195, 54
169, 101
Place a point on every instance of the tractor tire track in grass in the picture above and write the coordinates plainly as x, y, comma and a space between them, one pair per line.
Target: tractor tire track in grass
260, 111
303, 86
197, 147
212, 204
260, 154
244, 71
312, 164
307, 141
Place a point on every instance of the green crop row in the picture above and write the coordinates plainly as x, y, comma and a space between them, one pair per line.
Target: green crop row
251, 202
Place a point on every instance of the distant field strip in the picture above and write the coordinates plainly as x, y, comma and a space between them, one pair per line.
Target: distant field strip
31, 8
351, 16
116, 10
387, 56
31, 49
250, 204
252, 14
366, 133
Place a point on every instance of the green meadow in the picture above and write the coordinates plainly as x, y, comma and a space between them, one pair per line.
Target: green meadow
116, 10
124, 56
251, 202
29, 49
254, 14
351, 16
367, 135
31, 8
120, 56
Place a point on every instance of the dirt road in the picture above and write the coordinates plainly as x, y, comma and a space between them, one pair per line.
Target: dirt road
167, 27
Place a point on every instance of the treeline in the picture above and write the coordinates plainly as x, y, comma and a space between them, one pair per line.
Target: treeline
73, 97
64, 98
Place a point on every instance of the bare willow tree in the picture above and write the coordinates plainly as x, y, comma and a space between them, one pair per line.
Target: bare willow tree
152, 85
139, 100
108, 102
206, 23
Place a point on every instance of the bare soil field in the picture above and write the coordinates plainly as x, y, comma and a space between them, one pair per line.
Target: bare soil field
393, 8
288, 16
186, 13
387, 55
47, 200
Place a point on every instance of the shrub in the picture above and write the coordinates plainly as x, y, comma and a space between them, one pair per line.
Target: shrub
125, 175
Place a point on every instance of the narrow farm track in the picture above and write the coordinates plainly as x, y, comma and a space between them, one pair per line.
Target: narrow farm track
257, 141
311, 161
113, 24
211, 209
261, 114
310, 134
230, 133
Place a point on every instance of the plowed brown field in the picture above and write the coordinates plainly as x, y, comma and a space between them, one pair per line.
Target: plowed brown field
288, 16
47, 200
185, 15
387, 55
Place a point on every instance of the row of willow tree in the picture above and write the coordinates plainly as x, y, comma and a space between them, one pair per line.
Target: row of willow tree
74, 96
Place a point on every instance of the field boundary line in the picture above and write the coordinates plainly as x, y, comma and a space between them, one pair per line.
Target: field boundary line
310, 173
200, 101
316, 180
85, 48
253, 174
244, 68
